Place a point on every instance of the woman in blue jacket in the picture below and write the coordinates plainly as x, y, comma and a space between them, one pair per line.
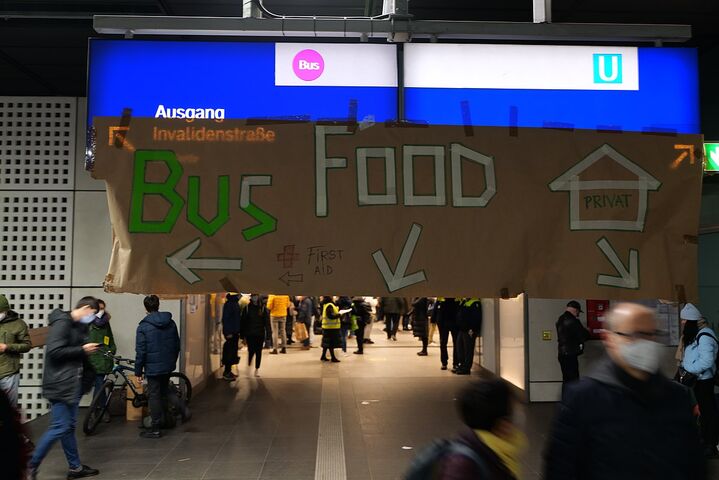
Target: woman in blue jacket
700, 351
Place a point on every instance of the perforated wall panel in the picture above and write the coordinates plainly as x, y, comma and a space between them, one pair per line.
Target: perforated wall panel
37, 143
36, 238
34, 305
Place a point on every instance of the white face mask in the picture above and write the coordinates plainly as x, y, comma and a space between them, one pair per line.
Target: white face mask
89, 318
2, 316
642, 354
100, 313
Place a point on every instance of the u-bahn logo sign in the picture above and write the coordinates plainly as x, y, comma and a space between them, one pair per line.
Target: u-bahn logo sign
333, 209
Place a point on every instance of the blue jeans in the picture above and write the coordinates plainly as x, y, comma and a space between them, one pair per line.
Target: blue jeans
99, 382
62, 427
345, 330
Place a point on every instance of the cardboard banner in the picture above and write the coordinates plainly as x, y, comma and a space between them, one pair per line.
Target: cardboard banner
303, 208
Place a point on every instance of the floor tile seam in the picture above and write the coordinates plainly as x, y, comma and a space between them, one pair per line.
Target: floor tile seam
179, 441
359, 428
224, 444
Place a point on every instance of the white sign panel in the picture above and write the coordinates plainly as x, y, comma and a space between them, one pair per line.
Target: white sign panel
521, 67
335, 65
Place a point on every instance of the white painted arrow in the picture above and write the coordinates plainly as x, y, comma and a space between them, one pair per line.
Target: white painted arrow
628, 278
397, 279
181, 262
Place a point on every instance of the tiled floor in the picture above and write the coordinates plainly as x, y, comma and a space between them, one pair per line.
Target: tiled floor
391, 402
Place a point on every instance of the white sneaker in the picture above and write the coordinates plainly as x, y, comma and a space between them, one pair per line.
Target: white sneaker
257, 372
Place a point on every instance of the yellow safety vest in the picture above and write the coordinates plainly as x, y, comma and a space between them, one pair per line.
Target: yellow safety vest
468, 302
330, 323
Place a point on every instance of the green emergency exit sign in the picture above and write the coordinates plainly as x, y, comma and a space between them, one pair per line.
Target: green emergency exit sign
711, 157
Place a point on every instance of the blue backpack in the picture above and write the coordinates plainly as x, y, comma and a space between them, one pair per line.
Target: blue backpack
426, 464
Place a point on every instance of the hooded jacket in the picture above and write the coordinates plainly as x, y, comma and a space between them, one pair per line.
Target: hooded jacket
255, 320
610, 425
157, 345
231, 315
64, 358
700, 355
14, 334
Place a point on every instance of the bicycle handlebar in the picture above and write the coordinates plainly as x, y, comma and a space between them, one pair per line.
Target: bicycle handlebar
119, 359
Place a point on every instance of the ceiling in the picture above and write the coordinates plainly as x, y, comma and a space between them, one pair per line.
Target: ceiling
43, 44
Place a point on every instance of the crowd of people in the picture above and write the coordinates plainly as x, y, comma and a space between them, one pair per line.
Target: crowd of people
272, 321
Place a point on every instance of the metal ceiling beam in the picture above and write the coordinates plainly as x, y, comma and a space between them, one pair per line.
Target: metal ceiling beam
392, 29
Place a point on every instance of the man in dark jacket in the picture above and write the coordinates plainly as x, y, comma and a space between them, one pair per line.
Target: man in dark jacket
255, 325
571, 336
625, 420
445, 312
65, 379
231, 332
157, 346
469, 328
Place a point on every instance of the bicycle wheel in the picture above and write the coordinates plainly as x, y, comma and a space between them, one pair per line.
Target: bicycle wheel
181, 386
98, 408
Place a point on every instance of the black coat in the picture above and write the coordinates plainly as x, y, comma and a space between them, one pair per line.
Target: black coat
420, 317
470, 317
231, 315
613, 426
446, 312
255, 321
571, 335
64, 358
157, 345
362, 311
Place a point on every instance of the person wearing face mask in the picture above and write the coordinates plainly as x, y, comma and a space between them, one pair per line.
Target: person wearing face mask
625, 420
14, 341
63, 383
699, 358
100, 332
254, 326
571, 336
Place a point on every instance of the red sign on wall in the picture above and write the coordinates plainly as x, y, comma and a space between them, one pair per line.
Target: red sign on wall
596, 309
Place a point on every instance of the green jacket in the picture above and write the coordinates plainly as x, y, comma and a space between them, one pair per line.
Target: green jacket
13, 333
102, 364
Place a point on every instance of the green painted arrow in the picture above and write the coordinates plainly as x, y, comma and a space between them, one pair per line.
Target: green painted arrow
267, 224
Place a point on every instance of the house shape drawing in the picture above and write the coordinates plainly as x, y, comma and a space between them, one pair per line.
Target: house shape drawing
570, 182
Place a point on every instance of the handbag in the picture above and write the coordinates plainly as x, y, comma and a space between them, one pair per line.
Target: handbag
687, 379
301, 332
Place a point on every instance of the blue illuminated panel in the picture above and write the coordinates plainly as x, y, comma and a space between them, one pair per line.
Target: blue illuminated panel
238, 77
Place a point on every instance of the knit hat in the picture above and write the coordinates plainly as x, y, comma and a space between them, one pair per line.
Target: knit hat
690, 313
4, 304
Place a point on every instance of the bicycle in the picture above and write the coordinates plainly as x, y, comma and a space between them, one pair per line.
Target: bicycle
116, 382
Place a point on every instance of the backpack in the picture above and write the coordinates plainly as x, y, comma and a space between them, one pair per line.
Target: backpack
716, 359
426, 464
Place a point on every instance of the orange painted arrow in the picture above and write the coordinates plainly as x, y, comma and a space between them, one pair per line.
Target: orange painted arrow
688, 152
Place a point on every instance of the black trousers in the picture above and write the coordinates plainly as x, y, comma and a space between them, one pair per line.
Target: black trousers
254, 349
444, 334
229, 352
425, 342
392, 324
570, 368
158, 388
704, 391
359, 335
405, 322
465, 350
